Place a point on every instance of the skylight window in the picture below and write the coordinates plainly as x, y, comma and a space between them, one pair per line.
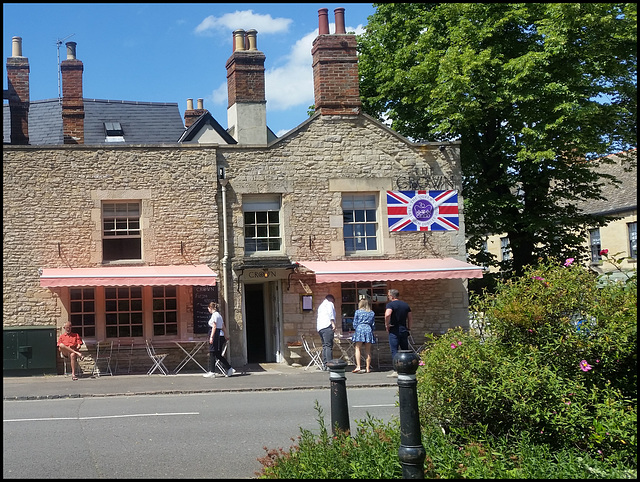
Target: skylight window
113, 129
114, 132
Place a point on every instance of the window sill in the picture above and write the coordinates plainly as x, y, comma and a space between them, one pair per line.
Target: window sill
122, 262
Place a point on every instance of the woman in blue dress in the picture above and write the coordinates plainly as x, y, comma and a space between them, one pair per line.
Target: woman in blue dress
363, 323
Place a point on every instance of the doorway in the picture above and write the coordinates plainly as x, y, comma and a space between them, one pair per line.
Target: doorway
255, 322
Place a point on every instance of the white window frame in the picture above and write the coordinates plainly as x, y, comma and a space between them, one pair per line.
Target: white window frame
357, 224
595, 244
121, 222
267, 238
505, 248
632, 234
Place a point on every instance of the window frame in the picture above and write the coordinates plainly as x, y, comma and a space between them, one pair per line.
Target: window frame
121, 232
82, 311
357, 209
165, 317
267, 238
351, 293
595, 245
124, 321
505, 248
632, 237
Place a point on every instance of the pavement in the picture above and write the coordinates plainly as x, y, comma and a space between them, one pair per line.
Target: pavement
252, 377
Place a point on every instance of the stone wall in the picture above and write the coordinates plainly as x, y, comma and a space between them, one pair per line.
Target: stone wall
52, 217
51, 208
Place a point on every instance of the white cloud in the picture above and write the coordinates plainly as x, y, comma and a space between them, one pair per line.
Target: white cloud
289, 86
246, 19
219, 95
292, 84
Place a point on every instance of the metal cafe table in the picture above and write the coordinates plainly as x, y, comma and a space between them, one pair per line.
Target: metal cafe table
190, 348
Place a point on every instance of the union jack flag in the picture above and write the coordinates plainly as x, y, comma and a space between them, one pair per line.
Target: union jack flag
423, 210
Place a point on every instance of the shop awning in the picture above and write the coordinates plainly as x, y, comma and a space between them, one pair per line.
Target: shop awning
391, 269
200, 275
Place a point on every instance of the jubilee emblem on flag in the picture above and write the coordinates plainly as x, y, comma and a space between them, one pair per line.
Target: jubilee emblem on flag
423, 210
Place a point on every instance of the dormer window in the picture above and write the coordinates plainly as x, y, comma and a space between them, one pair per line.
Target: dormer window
113, 132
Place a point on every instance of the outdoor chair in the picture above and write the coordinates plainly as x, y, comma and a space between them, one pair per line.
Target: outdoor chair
65, 359
157, 359
314, 352
124, 356
413, 346
104, 350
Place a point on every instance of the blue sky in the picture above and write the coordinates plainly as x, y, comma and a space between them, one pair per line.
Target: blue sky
169, 52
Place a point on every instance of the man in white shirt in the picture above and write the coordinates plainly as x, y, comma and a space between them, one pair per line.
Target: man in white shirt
326, 326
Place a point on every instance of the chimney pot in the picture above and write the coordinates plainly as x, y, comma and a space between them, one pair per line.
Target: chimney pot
252, 35
71, 50
189, 104
238, 36
200, 104
339, 14
323, 21
16, 47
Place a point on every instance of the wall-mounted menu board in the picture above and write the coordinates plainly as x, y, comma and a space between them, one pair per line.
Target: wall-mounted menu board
202, 296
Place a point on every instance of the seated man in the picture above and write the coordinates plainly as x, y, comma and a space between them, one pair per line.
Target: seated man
69, 343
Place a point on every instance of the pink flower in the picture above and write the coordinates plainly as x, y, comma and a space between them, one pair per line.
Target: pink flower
421, 363
453, 345
569, 261
459, 343
539, 278
603, 252
584, 366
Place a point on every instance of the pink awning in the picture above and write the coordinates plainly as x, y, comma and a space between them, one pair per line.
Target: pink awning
391, 269
189, 275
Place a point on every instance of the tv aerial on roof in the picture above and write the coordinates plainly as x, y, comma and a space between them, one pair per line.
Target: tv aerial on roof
59, 42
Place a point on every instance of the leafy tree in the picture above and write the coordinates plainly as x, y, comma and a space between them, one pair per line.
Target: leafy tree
535, 92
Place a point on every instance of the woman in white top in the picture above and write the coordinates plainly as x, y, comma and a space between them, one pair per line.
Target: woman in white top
218, 336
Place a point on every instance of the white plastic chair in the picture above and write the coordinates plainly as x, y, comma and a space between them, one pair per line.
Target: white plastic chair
104, 350
157, 359
313, 351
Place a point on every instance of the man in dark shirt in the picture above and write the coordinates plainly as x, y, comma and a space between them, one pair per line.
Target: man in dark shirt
397, 321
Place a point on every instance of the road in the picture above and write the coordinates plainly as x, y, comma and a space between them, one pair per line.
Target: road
213, 435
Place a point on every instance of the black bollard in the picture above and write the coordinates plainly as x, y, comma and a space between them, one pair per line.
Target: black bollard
339, 406
411, 452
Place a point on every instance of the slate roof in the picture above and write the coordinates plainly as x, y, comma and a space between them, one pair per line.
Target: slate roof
200, 122
621, 197
142, 122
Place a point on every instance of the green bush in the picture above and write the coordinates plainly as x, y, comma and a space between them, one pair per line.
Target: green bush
557, 361
544, 386
372, 453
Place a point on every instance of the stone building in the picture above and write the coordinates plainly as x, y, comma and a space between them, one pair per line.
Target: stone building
130, 241
619, 236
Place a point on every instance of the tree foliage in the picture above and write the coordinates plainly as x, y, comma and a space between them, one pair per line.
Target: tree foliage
537, 93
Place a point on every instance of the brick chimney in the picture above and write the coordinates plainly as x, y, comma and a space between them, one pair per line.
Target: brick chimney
72, 100
18, 87
335, 68
191, 114
247, 109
